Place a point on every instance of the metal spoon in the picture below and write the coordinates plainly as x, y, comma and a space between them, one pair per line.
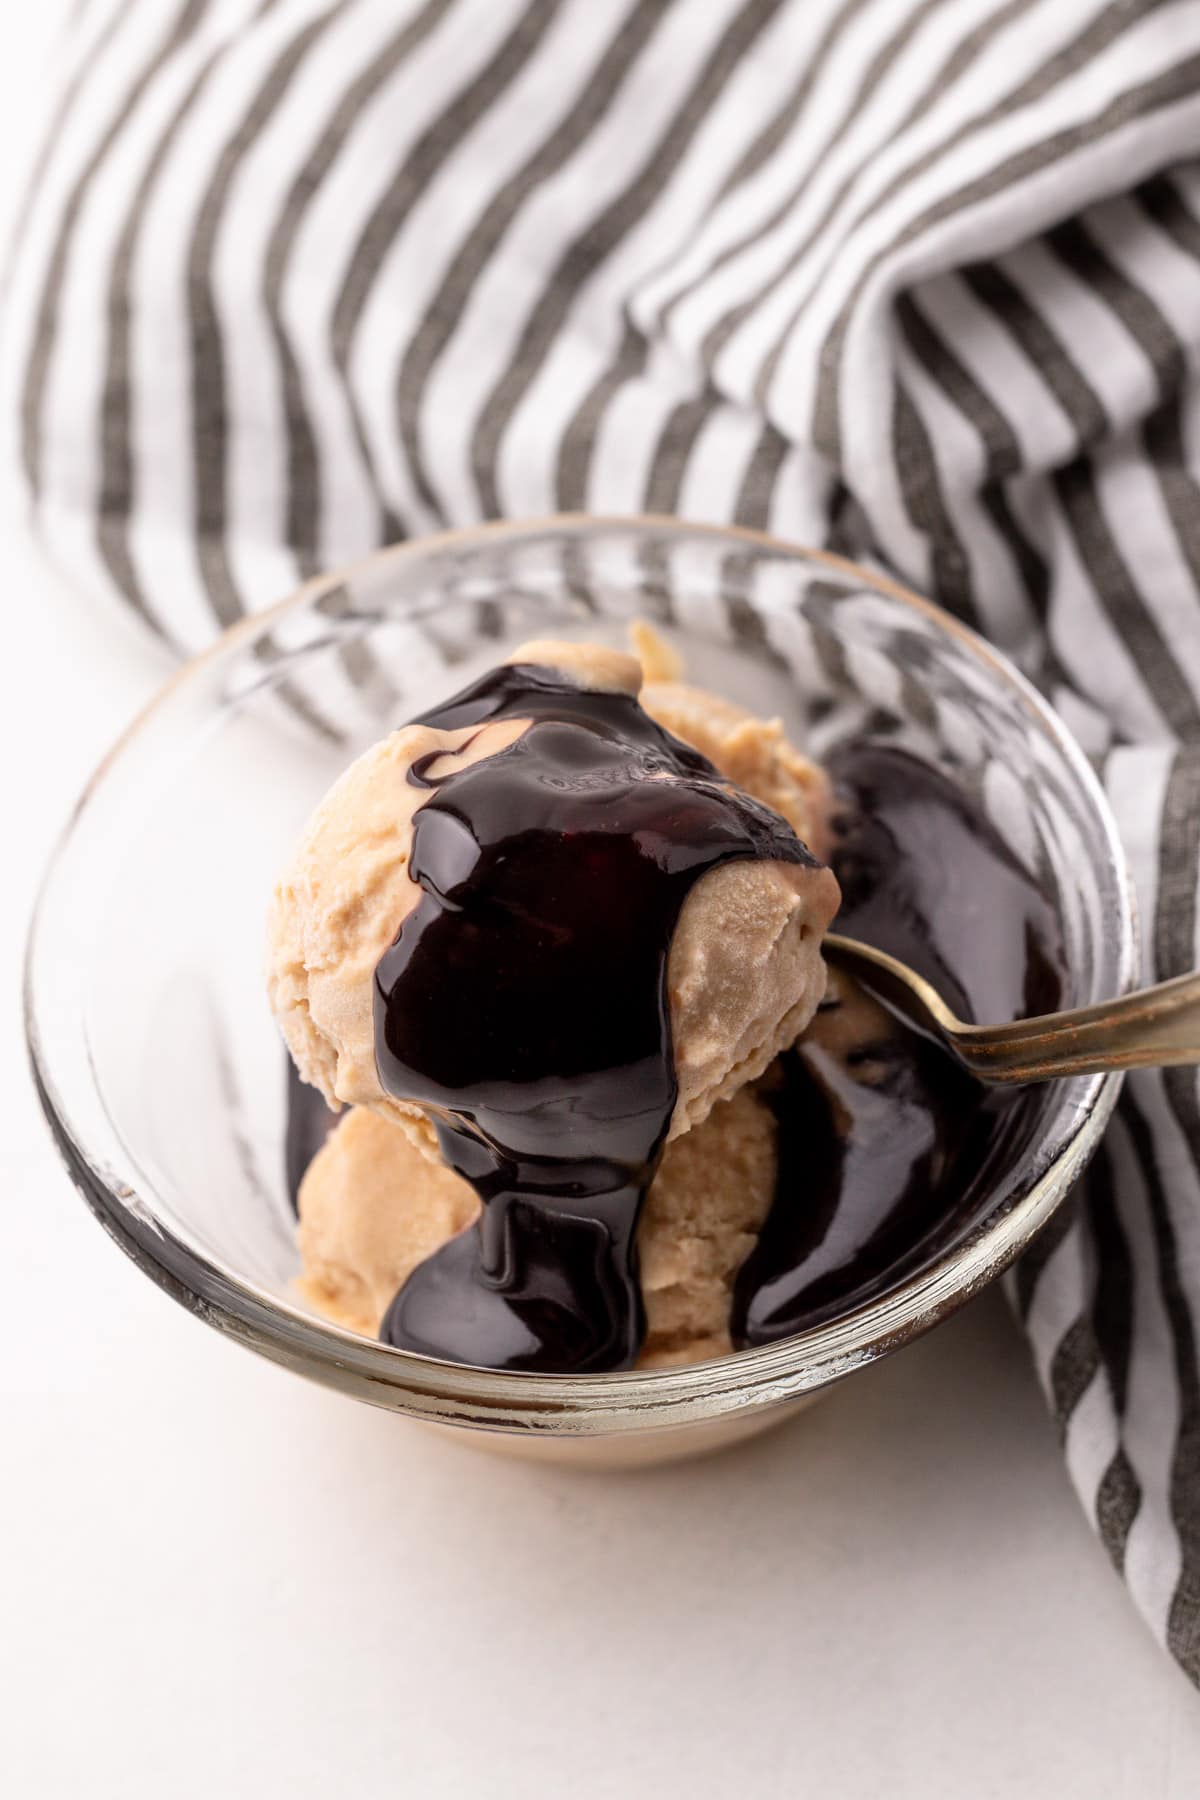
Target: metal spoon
1154, 1028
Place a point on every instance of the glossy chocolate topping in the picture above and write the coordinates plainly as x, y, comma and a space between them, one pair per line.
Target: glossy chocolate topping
886, 1148
308, 1123
524, 1002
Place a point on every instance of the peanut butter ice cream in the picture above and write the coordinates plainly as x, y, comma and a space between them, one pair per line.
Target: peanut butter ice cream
545, 939
372, 1208
745, 971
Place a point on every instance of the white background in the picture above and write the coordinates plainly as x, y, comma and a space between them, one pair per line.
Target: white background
218, 1581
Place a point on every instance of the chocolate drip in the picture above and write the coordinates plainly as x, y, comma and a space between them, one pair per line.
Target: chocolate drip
886, 1148
524, 1001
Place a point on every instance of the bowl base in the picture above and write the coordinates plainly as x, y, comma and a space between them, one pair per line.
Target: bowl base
627, 1450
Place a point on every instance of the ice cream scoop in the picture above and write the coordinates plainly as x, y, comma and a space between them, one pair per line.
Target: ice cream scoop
554, 936
744, 972
372, 1208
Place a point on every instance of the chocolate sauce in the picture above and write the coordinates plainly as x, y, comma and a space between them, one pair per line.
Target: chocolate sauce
309, 1122
886, 1148
524, 1002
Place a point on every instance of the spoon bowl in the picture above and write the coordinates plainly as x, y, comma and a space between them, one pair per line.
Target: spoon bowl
1154, 1027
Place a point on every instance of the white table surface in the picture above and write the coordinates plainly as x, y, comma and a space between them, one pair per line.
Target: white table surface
218, 1580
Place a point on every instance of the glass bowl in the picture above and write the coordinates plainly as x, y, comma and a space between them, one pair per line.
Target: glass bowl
161, 1070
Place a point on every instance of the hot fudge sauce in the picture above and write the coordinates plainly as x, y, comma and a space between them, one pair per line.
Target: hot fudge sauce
886, 1146
307, 1124
524, 1002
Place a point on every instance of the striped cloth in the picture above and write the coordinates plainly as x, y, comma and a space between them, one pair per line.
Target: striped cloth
918, 280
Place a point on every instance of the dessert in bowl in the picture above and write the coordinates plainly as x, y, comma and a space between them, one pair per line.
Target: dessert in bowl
162, 1076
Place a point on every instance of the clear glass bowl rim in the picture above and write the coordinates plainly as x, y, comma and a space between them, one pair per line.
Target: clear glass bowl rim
585, 1405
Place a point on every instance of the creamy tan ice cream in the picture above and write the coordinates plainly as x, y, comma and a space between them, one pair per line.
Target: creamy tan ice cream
745, 972
372, 1208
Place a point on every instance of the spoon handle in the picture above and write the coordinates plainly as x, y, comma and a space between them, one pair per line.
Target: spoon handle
1154, 1028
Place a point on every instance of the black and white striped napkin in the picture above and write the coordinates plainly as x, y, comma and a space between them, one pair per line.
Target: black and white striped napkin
918, 280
